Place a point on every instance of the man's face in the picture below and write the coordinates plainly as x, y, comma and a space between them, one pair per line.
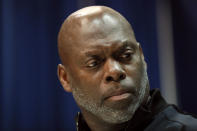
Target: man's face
107, 72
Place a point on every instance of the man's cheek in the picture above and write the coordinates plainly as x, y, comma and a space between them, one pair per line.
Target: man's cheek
131, 71
91, 78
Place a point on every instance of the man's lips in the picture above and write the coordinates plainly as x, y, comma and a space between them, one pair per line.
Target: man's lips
119, 95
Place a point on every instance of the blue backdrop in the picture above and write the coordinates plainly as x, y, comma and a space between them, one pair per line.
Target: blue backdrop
32, 99
185, 47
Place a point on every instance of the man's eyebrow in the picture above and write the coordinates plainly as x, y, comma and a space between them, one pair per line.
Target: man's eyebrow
127, 44
92, 53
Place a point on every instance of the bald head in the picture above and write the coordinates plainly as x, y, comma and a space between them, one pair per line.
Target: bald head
100, 56
90, 24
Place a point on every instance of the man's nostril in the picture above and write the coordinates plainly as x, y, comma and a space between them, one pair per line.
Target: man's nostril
109, 78
122, 76
118, 78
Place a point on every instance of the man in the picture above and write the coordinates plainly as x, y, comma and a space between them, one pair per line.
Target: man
104, 68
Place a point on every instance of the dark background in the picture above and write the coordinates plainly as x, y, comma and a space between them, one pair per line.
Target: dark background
32, 99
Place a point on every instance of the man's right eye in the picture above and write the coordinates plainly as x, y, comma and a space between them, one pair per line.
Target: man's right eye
92, 63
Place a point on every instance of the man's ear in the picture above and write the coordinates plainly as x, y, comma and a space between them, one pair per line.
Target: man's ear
142, 55
63, 77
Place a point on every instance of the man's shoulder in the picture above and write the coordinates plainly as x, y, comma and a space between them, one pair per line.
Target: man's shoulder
172, 119
186, 119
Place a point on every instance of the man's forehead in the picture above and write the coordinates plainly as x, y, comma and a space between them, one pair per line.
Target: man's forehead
99, 27
96, 24
95, 19
102, 26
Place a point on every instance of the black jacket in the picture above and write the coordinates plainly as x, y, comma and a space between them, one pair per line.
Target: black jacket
157, 115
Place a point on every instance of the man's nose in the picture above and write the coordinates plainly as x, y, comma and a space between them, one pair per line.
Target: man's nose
114, 71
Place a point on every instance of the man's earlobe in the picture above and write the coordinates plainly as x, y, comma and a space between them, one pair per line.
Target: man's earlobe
63, 77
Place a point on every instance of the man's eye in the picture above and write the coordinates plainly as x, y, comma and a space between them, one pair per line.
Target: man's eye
92, 63
126, 55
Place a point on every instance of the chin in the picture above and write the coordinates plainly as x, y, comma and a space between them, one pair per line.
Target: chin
113, 116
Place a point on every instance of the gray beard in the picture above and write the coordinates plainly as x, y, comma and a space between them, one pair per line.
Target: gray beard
109, 114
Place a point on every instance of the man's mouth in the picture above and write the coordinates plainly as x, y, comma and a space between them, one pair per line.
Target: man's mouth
119, 95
